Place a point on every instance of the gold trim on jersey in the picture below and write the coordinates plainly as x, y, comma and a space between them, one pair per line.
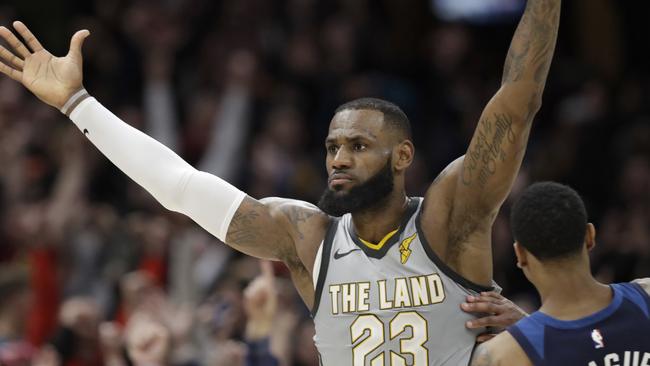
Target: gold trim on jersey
383, 241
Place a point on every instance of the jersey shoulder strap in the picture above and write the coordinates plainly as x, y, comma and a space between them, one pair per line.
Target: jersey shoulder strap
635, 294
328, 242
529, 333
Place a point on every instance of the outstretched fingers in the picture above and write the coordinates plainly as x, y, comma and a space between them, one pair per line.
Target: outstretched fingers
486, 321
8, 56
493, 294
11, 72
484, 307
28, 36
14, 42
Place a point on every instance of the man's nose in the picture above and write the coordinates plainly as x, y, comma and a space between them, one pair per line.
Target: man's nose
342, 159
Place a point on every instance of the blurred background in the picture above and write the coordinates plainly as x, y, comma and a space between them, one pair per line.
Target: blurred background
245, 89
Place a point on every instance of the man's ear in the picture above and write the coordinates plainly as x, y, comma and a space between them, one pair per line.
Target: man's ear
403, 155
522, 255
590, 236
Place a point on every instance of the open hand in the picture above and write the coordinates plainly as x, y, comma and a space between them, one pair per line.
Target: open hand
495, 311
52, 79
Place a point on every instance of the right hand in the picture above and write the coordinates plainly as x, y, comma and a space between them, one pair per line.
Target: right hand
495, 311
52, 79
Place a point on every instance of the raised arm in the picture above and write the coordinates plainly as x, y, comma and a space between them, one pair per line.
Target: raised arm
499, 142
462, 203
244, 223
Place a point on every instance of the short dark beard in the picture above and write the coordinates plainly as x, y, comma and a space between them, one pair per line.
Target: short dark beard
369, 194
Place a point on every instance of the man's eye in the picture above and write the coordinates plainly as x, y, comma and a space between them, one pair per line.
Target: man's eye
332, 149
359, 147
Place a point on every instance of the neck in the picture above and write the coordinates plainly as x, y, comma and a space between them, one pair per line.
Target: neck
571, 294
373, 223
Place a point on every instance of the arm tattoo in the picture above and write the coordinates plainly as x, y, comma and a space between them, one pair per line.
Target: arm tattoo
462, 225
297, 216
492, 135
482, 357
537, 32
244, 230
532, 47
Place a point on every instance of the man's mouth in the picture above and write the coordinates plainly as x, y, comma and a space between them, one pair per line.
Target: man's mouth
339, 179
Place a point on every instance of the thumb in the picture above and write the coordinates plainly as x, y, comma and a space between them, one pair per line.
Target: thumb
76, 42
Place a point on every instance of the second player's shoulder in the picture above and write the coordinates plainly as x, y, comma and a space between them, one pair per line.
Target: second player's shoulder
644, 283
502, 350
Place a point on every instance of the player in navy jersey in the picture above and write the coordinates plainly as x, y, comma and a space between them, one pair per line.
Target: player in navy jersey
582, 322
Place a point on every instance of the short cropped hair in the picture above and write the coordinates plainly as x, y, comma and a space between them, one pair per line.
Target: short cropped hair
394, 117
550, 221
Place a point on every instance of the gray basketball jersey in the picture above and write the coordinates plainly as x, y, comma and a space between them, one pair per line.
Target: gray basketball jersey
393, 304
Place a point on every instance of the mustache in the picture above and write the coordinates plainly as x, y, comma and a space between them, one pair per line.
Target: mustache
339, 174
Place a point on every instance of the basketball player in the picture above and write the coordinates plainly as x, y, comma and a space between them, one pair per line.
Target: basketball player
581, 321
383, 273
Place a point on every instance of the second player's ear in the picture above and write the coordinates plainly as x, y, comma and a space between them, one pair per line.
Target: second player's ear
521, 255
403, 155
590, 236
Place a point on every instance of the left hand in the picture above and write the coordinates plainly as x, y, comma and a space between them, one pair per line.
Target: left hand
495, 310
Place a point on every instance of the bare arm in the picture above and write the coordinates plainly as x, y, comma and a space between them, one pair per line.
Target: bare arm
476, 185
502, 350
497, 147
273, 227
283, 229
482, 357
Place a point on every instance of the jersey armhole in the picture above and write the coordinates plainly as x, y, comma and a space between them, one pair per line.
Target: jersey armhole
637, 295
530, 349
324, 252
317, 262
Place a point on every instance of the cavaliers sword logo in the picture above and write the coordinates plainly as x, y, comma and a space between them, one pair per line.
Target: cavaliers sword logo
404, 249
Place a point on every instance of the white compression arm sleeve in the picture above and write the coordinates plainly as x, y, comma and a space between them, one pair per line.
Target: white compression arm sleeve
207, 199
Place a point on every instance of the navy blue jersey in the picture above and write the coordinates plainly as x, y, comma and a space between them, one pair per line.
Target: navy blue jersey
618, 335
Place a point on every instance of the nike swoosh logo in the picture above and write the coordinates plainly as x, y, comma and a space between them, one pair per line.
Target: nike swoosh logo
339, 255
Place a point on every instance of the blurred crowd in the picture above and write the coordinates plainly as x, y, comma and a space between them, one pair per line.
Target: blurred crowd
91, 266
